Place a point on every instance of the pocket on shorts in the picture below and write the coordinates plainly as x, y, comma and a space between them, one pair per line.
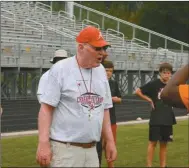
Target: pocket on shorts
61, 151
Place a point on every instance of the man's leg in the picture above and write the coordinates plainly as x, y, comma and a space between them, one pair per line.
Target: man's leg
114, 131
99, 151
154, 135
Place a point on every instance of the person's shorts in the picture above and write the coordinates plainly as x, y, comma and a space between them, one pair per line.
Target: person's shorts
161, 133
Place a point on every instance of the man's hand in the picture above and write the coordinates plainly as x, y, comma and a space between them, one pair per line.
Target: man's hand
44, 154
116, 99
110, 151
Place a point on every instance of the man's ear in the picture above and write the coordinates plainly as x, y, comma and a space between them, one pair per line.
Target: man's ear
81, 46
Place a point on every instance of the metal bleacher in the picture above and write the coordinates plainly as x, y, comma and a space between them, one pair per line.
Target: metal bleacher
32, 32
28, 39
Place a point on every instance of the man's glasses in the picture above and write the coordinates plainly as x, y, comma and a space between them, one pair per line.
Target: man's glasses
98, 48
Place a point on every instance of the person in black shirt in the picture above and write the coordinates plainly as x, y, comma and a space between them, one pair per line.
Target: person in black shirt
162, 117
116, 98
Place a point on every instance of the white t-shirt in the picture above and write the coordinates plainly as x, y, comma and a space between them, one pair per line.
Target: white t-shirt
41, 86
65, 90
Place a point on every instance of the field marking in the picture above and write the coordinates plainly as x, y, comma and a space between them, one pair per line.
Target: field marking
33, 132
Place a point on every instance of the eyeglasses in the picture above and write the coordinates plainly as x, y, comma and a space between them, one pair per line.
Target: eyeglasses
98, 48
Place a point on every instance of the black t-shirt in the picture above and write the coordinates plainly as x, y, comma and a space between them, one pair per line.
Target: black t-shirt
114, 92
162, 114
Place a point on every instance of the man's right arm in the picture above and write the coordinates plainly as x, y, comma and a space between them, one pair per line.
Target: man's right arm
49, 100
44, 122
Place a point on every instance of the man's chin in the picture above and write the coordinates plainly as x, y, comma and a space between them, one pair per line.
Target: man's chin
96, 65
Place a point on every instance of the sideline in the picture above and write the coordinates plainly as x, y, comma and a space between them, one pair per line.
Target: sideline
33, 132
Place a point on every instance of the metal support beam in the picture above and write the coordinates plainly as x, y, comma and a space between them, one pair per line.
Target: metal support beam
130, 83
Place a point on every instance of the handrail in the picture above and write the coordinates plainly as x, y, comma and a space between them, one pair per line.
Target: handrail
28, 5
143, 47
9, 19
72, 20
42, 27
88, 21
59, 13
115, 32
111, 30
165, 51
132, 25
42, 4
60, 32
70, 31
140, 41
43, 10
14, 16
2, 9
30, 41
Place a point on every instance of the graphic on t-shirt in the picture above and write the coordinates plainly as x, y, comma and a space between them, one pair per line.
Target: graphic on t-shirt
159, 93
90, 100
86, 99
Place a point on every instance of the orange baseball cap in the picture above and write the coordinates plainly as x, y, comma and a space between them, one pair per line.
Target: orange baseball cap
92, 36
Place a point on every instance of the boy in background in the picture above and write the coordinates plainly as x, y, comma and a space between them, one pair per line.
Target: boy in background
162, 117
176, 92
116, 98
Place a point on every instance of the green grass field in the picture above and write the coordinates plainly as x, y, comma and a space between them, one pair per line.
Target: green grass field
132, 143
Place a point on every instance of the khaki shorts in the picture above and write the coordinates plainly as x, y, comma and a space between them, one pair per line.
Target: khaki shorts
65, 155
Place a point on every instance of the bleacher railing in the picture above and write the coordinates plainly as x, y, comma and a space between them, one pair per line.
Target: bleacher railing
87, 22
117, 38
13, 16
26, 24
67, 14
134, 30
62, 33
42, 6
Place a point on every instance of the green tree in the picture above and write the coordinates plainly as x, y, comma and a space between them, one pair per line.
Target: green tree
169, 18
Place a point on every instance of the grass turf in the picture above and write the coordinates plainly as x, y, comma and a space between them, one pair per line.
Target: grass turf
132, 143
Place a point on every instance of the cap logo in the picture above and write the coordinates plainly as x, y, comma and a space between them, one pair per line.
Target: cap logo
100, 35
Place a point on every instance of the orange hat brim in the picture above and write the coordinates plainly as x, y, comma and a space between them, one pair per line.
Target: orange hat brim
99, 43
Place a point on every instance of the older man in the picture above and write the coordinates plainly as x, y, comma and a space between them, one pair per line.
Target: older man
74, 108
59, 55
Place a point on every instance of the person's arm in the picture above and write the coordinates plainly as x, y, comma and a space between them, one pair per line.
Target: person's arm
107, 136
106, 127
44, 122
117, 98
49, 100
108, 139
144, 93
139, 93
170, 94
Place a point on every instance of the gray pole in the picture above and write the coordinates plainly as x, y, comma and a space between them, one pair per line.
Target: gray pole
70, 8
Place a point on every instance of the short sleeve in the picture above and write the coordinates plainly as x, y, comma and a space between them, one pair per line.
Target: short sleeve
108, 98
52, 90
184, 94
41, 86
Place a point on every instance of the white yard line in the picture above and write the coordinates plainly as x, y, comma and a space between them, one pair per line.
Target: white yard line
33, 132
